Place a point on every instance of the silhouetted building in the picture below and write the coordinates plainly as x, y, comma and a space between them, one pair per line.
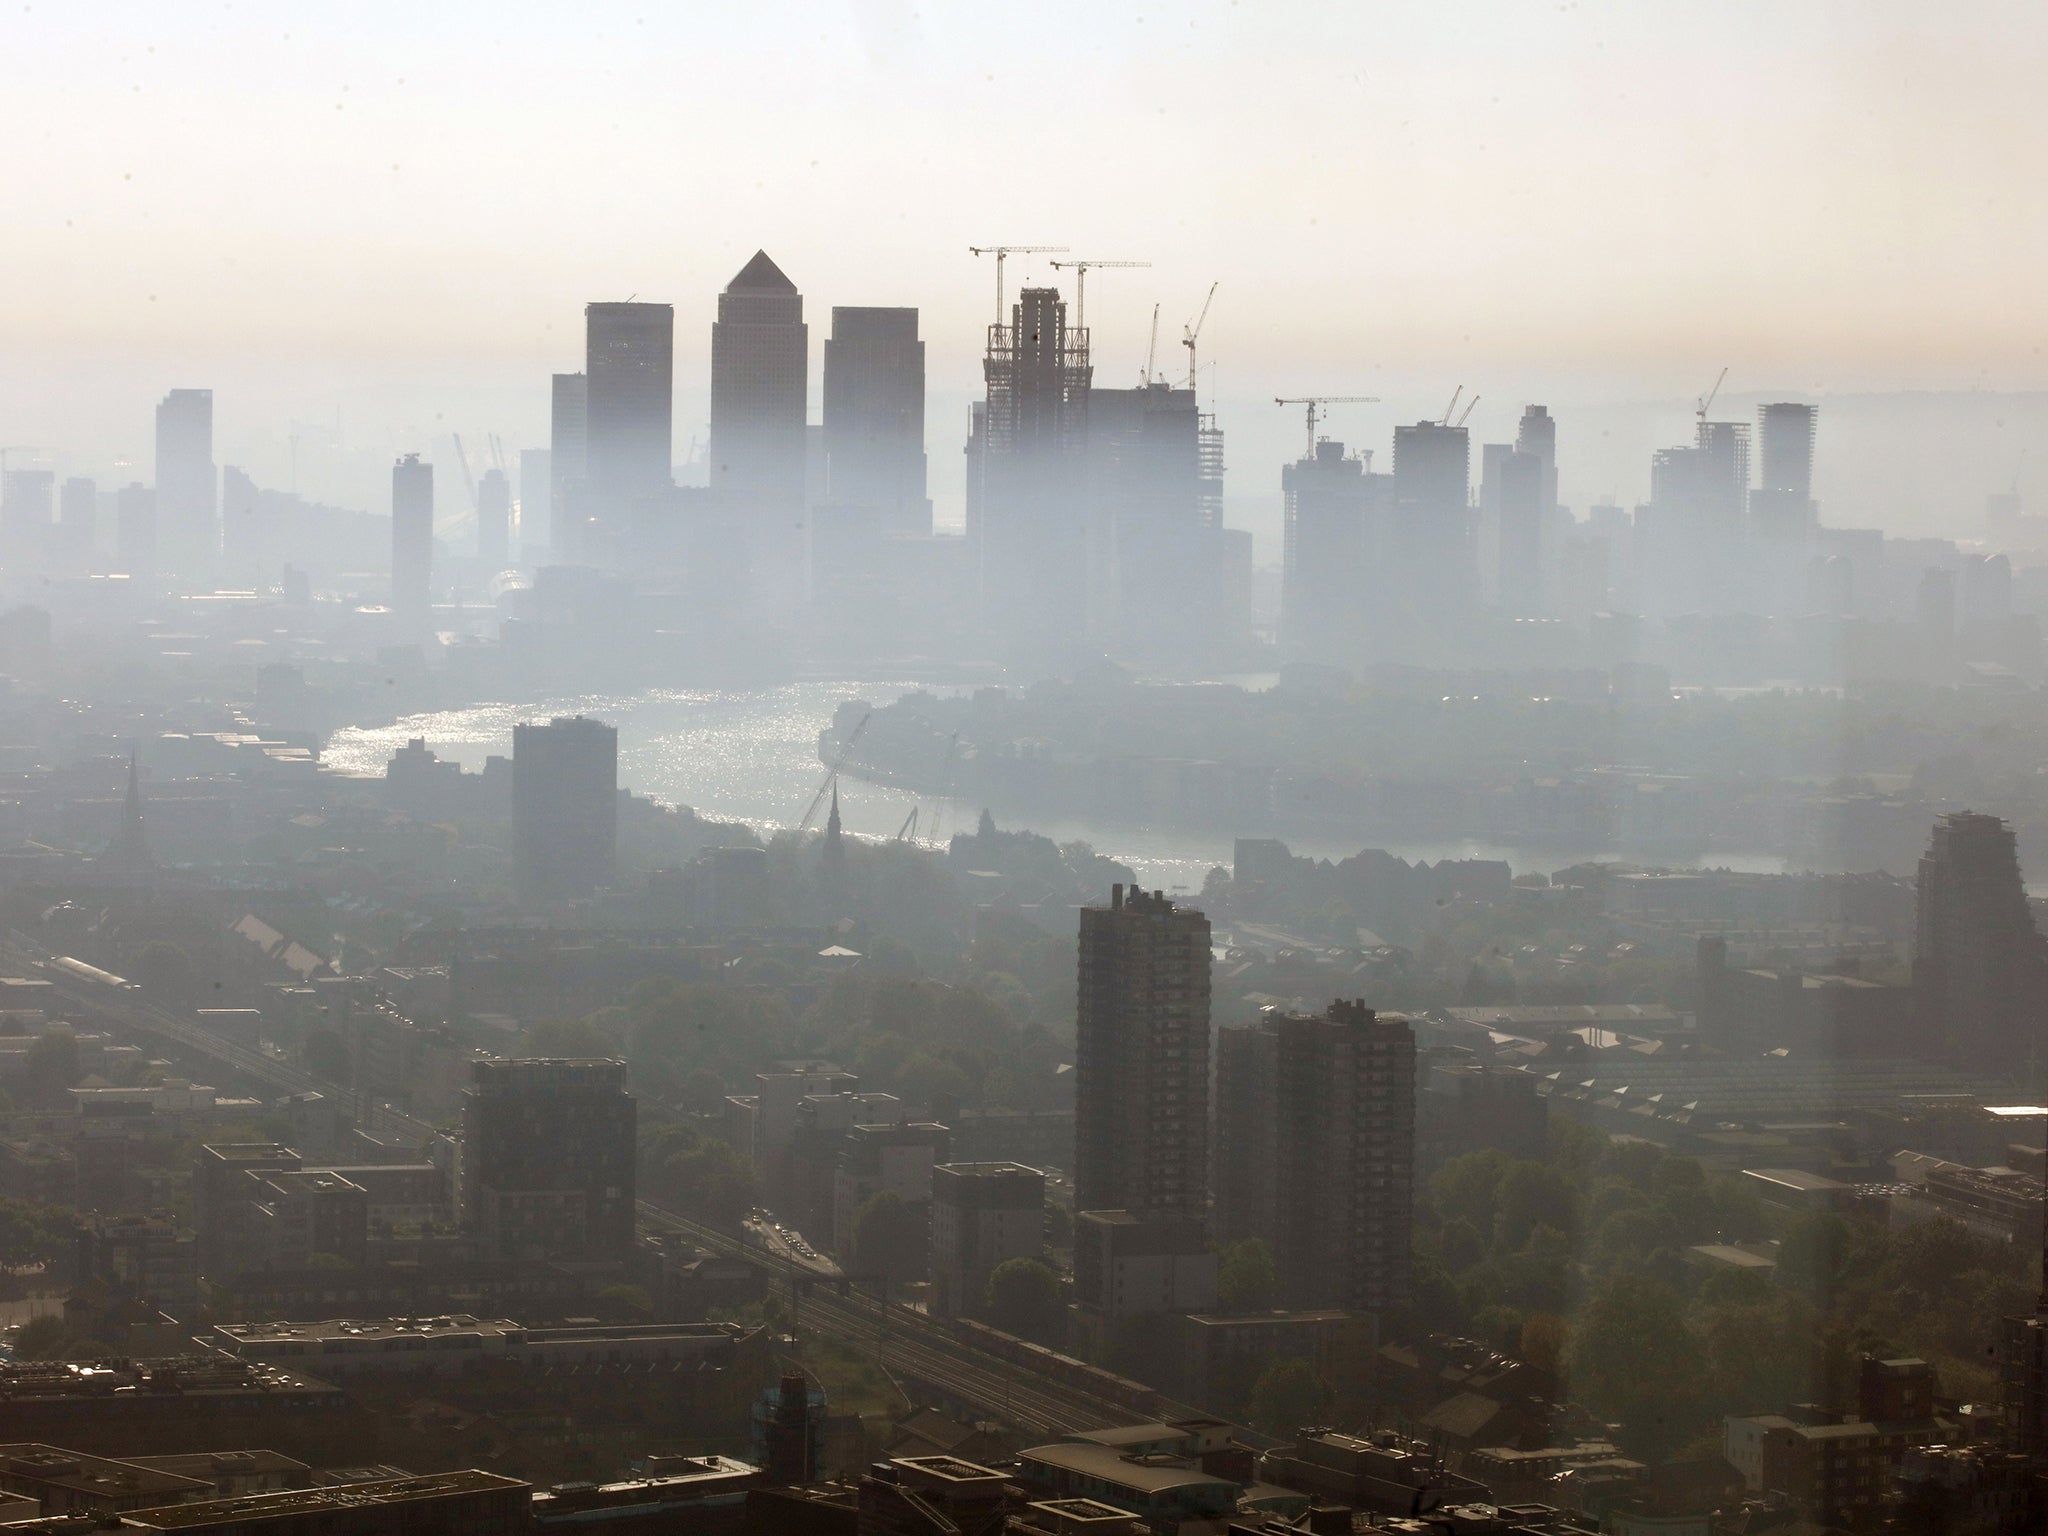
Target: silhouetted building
1142, 1058
412, 542
1243, 1168
1978, 960
760, 358
1335, 512
565, 807
1514, 495
1345, 1158
1688, 538
874, 417
1027, 521
568, 432
983, 1215
1430, 547
242, 542
629, 374
493, 520
27, 497
187, 488
1782, 505
548, 1160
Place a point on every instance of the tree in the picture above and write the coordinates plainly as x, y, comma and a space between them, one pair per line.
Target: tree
1632, 1359
566, 1038
1290, 1396
701, 1176
1023, 1297
889, 1238
52, 1064
1245, 1280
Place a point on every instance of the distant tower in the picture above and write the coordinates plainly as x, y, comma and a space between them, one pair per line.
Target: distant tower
1141, 1114
128, 852
412, 542
1027, 531
874, 418
629, 368
494, 520
241, 528
565, 807
760, 454
1430, 553
1979, 963
1782, 504
187, 485
569, 419
1537, 436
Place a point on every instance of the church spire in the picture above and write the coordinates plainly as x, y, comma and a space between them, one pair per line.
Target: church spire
835, 845
129, 849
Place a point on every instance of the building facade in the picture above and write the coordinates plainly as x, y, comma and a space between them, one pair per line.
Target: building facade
548, 1160
565, 807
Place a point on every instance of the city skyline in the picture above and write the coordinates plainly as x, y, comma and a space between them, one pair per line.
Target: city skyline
1776, 157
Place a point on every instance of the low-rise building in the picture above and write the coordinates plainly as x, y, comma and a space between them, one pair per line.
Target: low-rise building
474, 1503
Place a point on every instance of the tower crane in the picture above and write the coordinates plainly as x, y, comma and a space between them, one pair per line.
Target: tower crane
1080, 270
1315, 404
832, 773
1152, 352
1001, 253
1452, 406
1706, 401
1465, 415
1189, 333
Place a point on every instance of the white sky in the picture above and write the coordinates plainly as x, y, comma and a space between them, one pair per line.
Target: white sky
396, 211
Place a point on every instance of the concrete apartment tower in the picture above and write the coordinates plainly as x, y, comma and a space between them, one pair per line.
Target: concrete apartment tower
548, 1160
1141, 1111
565, 808
1344, 1158
1980, 967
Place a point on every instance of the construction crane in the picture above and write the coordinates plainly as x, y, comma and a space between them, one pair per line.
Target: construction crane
1315, 404
1002, 253
908, 831
1190, 332
832, 773
1152, 352
1080, 270
1466, 414
1446, 421
468, 480
1706, 401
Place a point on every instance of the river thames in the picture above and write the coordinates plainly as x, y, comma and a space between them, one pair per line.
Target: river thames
752, 756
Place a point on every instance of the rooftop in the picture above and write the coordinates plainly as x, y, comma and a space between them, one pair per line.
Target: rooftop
304, 1501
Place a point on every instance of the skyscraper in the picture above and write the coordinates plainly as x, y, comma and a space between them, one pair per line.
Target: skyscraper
1979, 963
241, 529
1430, 550
1345, 1158
1141, 1111
1537, 436
187, 485
412, 542
1519, 504
760, 453
1242, 1166
565, 807
1782, 504
548, 1160
568, 432
1027, 525
493, 519
629, 372
27, 498
874, 418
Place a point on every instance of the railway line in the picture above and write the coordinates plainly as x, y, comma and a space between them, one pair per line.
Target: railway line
903, 1341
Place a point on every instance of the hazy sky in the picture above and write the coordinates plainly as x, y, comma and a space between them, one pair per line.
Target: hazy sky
396, 211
